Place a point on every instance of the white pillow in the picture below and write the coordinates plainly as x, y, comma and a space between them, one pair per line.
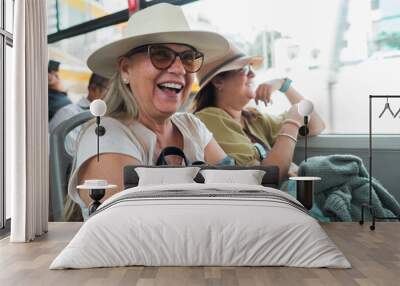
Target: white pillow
248, 177
166, 176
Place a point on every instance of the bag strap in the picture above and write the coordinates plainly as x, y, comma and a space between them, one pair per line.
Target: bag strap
199, 163
168, 151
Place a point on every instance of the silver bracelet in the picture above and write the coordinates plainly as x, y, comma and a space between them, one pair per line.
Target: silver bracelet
292, 121
289, 136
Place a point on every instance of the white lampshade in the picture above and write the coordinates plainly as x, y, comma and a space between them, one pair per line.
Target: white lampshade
305, 107
98, 107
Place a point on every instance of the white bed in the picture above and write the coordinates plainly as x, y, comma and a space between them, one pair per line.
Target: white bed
201, 224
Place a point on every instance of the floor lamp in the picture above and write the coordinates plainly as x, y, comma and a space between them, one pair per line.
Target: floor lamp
305, 108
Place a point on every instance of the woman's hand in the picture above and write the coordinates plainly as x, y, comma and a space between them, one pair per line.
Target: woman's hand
316, 125
265, 90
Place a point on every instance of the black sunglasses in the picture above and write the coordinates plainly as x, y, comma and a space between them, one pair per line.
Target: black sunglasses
163, 57
246, 70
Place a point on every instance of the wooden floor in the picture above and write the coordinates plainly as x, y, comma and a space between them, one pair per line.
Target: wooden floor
374, 255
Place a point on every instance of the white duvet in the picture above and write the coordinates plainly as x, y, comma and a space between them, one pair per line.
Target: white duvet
185, 230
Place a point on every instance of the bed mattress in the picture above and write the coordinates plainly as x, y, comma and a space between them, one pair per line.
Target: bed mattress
201, 225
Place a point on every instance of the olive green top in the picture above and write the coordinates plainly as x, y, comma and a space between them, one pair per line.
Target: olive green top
235, 140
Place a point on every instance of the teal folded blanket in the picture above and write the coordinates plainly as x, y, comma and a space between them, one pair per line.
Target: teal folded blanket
345, 187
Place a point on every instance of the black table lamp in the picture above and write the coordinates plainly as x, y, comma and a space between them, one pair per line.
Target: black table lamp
305, 108
98, 108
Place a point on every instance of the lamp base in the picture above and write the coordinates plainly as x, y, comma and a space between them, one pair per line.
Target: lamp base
96, 195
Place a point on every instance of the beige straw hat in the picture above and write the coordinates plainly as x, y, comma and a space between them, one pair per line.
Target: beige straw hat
161, 23
234, 59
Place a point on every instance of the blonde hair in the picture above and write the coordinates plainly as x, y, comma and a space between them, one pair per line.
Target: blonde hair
121, 103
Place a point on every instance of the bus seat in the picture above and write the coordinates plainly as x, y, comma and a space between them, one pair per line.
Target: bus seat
60, 164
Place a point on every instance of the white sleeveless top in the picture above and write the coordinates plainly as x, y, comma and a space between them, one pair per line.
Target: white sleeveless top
136, 141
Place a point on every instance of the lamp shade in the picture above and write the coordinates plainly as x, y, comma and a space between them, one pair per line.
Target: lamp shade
305, 107
98, 107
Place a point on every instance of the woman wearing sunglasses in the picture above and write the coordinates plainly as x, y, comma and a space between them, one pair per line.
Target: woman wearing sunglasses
246, 135
151, 73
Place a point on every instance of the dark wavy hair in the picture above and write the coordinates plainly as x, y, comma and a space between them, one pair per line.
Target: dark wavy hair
207, 96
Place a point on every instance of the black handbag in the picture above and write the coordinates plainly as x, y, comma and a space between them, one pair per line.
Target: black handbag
174, 151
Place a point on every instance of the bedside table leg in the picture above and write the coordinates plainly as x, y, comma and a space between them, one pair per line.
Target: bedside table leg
96, 195
304, 190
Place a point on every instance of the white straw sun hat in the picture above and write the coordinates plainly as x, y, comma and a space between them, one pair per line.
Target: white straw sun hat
234, 59
161, 23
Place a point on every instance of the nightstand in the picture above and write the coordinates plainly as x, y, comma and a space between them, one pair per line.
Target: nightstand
305, 189
97, 190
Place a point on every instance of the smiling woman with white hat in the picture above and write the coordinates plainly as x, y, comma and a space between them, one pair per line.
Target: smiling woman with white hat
251, 138
151, 71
